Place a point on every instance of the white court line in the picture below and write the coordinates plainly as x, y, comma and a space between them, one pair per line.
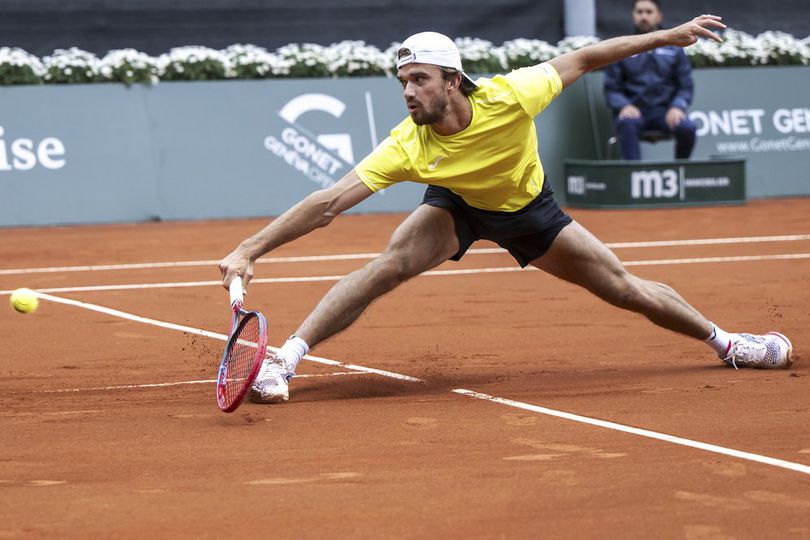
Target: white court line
206, 333
468, 271
797, 467
180, 383
363, 256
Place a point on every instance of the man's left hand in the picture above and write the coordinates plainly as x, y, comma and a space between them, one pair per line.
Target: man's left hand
688, 33
674, 117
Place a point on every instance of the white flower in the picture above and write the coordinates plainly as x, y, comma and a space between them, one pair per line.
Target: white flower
572, 43
67, 61
20, 58
180, 58
480, 55
257, 60
390, 56
780, 47
355, 57
523, 52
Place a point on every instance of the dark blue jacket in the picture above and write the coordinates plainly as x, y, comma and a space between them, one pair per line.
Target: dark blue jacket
653, 81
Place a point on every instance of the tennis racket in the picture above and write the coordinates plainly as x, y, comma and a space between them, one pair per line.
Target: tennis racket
244, 352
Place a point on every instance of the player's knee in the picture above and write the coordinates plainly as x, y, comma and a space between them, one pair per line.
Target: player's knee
629, 292
394, 267
644, 296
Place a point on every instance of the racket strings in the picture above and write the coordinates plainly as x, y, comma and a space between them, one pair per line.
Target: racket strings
241, 356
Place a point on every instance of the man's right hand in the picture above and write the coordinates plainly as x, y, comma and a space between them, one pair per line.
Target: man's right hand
236, 264
629, 111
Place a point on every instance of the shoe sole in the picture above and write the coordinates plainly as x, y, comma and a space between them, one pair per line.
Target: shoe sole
784, 338
255, 397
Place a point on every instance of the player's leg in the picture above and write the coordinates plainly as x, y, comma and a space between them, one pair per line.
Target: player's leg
578, 257
424, 240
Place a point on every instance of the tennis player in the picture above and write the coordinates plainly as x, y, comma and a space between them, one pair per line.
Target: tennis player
474, 144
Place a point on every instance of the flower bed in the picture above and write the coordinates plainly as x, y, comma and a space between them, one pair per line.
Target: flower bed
350, 59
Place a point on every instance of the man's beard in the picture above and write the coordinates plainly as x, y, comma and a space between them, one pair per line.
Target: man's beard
423, 116
647, 28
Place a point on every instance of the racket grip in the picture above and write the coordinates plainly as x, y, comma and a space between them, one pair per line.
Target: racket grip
236, 289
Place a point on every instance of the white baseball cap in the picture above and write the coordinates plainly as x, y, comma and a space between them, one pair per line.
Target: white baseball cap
431, 48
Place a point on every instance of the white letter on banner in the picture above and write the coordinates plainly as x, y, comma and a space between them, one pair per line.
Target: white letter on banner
48, 149
781, 121
702, 121
645, 184
4, 164
671, 187
801, 120
756, 116
23, 152
739, 126
720, 122
288, 136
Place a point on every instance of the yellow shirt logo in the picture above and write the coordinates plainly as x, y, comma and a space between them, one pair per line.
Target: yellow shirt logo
435, 163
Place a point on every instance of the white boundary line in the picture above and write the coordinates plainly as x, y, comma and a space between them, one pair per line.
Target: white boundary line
468, 271
356, 256
179, 383
206, 333
798, 467
765, 460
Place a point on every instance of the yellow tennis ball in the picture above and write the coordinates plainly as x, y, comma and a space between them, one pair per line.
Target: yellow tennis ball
24, 300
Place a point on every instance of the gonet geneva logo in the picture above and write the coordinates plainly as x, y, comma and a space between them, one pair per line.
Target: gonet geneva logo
324, 158
23, 154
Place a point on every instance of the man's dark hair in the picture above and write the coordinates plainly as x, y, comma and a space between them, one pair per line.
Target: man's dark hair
656, 2
467, 87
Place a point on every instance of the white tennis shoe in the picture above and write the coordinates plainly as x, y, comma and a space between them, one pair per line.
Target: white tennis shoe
272, 383
769, 351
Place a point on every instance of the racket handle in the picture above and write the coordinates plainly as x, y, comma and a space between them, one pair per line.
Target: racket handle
235, 289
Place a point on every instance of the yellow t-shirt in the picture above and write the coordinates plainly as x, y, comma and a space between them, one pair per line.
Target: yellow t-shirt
493, 163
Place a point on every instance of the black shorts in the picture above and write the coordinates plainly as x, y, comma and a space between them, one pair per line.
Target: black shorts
526, 233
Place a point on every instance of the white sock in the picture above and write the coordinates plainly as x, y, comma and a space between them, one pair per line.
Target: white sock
720, 341
292, 351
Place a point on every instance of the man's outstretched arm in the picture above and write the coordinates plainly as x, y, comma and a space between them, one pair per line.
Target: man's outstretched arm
317, 210
571, 66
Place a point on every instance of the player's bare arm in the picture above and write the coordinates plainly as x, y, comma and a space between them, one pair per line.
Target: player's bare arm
571, 66
316, 210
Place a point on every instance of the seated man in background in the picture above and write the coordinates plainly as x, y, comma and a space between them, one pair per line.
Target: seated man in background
651, 91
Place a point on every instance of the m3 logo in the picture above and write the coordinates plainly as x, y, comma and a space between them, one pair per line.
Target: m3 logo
576, 185
663, 184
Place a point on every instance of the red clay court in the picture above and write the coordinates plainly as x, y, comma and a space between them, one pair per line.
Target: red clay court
476, 401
